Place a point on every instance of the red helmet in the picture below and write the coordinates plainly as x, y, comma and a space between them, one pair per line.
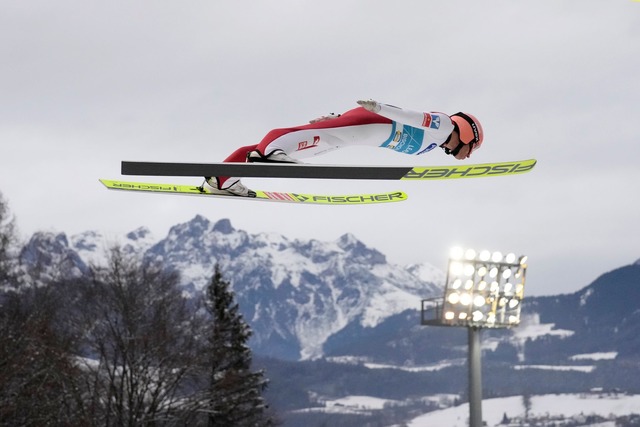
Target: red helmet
469, 129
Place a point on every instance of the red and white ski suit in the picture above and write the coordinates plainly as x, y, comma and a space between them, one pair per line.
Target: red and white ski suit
401, 130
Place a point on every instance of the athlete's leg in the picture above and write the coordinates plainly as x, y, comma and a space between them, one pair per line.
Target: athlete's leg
321, 137
238, 156
313, 139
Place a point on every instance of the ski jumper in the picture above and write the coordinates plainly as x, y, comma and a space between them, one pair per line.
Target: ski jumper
397, 129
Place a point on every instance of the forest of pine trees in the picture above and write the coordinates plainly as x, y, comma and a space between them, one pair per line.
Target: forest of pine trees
118, 345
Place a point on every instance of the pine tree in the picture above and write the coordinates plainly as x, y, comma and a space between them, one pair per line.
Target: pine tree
235, 391
8, 239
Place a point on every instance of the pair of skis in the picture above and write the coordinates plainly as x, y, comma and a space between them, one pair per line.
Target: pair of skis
280, 170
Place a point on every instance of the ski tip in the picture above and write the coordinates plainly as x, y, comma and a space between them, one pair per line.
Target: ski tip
470, 170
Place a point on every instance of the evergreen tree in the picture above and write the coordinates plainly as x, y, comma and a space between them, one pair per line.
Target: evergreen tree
505, 419
8, 239
235, 391
526, 402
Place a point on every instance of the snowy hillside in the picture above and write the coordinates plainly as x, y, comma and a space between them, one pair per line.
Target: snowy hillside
546, 410
584, 409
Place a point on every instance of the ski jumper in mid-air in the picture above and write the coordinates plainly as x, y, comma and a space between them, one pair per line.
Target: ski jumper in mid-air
372, 124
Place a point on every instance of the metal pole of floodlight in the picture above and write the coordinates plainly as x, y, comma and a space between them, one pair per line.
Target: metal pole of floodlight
482, 290
475, 377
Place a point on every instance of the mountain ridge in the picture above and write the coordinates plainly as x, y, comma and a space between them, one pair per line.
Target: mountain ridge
294, 293
306, 299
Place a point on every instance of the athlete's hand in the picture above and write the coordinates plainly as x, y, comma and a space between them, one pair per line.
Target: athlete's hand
370, 105
323, 118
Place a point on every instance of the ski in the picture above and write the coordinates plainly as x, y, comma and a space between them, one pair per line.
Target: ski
271, 196
287, 170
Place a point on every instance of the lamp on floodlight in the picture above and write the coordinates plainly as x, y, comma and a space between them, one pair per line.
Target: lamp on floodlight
482, 290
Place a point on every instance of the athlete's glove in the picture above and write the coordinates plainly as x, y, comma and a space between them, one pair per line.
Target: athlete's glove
323, 118
370, 105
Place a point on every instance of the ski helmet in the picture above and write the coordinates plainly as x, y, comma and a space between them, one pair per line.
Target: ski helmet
469, 129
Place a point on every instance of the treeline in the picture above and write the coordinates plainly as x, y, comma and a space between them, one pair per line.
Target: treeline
119, 345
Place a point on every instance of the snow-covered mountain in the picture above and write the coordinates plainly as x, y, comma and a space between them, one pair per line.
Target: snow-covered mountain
92, 246
294, 294
46, 249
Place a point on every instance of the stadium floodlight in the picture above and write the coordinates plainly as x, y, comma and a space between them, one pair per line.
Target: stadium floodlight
483, 289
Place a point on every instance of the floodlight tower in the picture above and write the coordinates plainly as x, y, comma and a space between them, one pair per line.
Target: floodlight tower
482, 290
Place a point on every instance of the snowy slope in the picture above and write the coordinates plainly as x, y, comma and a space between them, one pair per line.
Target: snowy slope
557, 407
545, 410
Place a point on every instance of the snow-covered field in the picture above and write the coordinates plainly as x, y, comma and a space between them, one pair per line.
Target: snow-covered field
567, 405
555, 407
556, 368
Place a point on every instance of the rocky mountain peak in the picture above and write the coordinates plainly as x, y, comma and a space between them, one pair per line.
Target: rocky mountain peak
359, 251
223, 226
139, 233
49, 254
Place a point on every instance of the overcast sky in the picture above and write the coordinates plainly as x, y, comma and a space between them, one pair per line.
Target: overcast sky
85, 85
